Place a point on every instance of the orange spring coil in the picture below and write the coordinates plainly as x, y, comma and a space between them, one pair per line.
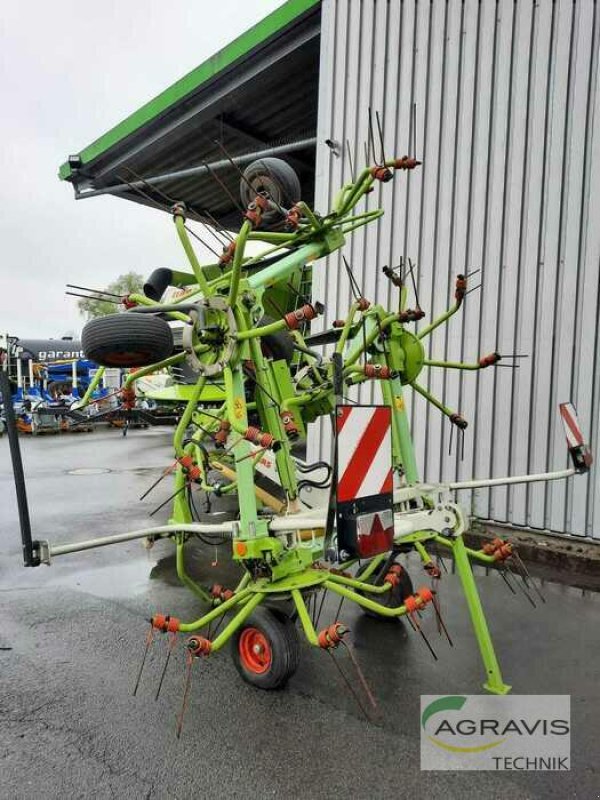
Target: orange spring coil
256, 436
289, 425
332, 635
165, 623
382, 174
489, 360
228, 254
377, 371
222, 434
461, 287
199, 646
293, 319
406, 162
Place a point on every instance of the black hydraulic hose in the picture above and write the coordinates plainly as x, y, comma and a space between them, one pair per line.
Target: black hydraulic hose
31, 556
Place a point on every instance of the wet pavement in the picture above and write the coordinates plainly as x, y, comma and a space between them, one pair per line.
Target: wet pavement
71, 639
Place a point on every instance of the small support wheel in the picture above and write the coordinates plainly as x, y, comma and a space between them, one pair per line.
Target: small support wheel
265, 649
392, 599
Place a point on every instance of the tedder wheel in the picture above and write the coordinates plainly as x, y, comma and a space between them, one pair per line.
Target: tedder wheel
127, 340
265, 650
272, 178
392, 599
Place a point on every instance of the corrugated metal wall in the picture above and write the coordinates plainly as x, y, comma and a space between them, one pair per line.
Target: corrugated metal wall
507, 100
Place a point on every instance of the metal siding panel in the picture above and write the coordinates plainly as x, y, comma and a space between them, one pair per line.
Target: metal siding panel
482, 421
465, 345
547, 310
417, 186
448, 222
506, 97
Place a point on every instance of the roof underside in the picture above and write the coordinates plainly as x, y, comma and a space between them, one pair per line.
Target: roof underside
262, 98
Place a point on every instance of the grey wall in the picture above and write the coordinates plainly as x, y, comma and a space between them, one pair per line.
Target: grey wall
508, 127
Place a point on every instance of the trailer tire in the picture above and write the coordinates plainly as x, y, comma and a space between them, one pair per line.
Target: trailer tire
272, 178
266, 650
127, 340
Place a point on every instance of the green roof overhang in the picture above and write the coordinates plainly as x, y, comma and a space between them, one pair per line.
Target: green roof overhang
216, 64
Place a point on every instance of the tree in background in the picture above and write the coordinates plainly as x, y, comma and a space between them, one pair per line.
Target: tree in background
129, 283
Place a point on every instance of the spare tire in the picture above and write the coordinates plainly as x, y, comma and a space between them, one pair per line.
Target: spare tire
272, 178
127, 340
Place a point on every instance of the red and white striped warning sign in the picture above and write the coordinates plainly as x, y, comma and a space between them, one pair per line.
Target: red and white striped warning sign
571, 425
364, 452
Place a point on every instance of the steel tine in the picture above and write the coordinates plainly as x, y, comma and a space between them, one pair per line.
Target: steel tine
521, 584
348, 684
221, 146
164, 474
186, 691
527, 576
149, 639
172, 497
414, 282
503, 574
372, 138
361, 675
91, 297
214, 175
425, 639
441, 563
414, 130
380, 132
438, 614
220, 228
96, 291
172, 643
149, 186
323, 596
208, 247
148, 197
352, 174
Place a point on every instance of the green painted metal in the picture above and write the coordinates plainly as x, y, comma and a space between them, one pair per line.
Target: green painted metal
241, 47
494, 682
286, 564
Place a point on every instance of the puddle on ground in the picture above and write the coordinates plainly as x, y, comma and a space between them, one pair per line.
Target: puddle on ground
88, 471
133, 573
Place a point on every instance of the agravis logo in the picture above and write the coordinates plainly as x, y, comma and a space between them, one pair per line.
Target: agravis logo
453, 703
522, 732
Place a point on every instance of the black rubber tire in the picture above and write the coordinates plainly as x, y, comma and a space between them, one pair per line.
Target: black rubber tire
272, 178
278, 346
282, 637
392, 599
127, 340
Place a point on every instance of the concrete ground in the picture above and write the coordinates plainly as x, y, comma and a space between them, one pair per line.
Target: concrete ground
71, 639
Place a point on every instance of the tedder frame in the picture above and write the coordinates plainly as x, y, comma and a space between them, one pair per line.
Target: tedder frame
291, 552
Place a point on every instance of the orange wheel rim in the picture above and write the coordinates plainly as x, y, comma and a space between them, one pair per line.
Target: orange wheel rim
255, 651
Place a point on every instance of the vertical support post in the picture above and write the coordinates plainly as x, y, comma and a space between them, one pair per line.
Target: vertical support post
74, 378
394, 397
494, 682
19, 372
273, 424
30, 369
31, 557
251, 527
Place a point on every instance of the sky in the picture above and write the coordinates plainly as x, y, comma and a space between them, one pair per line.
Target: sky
69, 71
